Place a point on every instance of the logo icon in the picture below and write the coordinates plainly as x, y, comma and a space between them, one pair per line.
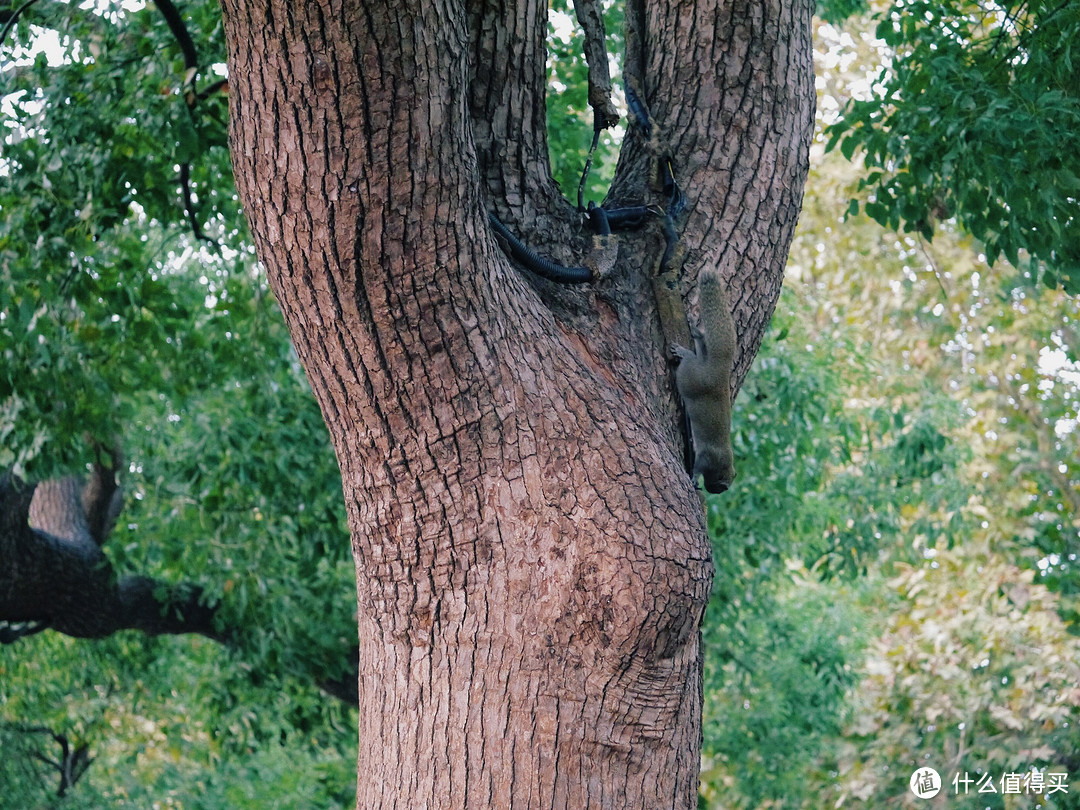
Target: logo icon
925, 783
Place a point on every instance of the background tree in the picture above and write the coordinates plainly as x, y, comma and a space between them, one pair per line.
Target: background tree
959, 471
965, 121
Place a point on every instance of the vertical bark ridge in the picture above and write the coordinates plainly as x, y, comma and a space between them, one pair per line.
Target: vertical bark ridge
508, 61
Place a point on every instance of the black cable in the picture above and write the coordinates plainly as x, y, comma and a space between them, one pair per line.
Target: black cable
599, 219
638, 110
631, 216
597, 129
545, 268
676, 199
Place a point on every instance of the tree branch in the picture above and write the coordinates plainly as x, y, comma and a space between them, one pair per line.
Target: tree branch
345, 687
59, 578
590, 16
507, 105
180, 32
189, 203
51, 13
191, 63
12, 18
72, 763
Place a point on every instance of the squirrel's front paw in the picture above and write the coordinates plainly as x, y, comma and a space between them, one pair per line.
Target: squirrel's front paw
680, 352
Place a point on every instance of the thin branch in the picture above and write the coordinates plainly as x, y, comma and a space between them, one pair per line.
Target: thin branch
179, 31
189, 203
210, 89
14, 19
590, 15
1022, 36
191, 63
1011, 17
53, 12
50, 762
22, 728
925, 250
72, 764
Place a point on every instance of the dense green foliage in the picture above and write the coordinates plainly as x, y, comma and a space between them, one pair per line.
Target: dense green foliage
99, 271
969, 119
120, 326
896, 576
174, 721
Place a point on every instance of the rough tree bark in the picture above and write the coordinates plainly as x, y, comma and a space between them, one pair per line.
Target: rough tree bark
532, 566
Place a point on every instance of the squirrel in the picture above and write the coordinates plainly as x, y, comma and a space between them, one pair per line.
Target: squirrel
703, 379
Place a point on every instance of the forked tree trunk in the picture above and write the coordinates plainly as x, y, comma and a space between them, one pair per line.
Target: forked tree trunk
532, 566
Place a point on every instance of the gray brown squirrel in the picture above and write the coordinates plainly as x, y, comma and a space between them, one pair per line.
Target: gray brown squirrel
703, 379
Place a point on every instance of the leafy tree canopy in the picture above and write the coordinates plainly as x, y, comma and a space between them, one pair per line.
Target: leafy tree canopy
970, 118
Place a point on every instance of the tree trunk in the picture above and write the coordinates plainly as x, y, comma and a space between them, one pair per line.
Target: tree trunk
532, 565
